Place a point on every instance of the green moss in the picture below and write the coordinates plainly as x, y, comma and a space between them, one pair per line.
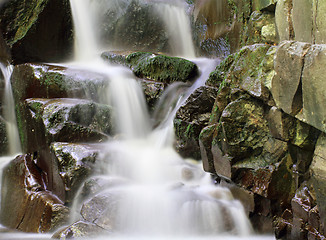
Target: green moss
162, 68
18, 17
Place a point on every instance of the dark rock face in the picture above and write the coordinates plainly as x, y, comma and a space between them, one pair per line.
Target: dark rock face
37, 30
191, 118
26, 204
3, 137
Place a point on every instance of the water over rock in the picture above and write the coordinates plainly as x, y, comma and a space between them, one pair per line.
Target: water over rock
76, 162
26, 203
37, 30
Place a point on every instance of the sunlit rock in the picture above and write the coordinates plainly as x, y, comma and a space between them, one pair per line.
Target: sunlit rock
37, 30
286, 84
26, 203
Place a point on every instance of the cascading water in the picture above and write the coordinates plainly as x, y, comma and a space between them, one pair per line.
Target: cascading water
167, 195
178, 26
9, 112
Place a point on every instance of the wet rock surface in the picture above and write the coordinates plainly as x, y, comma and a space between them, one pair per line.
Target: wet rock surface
27, 205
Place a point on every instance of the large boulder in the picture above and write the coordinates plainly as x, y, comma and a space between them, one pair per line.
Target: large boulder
37, 30
26, 203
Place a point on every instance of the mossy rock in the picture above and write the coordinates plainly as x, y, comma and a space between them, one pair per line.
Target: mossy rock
165, 69
37, 30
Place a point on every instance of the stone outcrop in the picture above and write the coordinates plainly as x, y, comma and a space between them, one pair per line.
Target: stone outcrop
37, 30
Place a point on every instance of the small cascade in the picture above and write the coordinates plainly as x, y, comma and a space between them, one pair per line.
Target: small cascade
164, 195
86, 40
9, 112
178, 27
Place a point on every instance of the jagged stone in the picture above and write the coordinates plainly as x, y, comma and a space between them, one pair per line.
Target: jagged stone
286, 84
26, 203
153, 91
37, 30
3, 137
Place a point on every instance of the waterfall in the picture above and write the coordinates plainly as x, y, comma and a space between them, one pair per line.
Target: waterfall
167, 195
9, 112
178, 26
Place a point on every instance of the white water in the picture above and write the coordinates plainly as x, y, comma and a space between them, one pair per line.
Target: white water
9, 112
178, 26
169, 196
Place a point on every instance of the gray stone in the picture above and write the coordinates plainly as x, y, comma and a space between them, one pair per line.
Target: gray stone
286, 88
283, 20
318, 176
313, 87
320, 21
303, 20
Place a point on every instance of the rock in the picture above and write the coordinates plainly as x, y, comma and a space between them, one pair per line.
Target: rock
102, 210
286, 84
318, 173
52, 81
246, 71
3, 137
268, 5
64, 120
205, 144
261, 28
283, 20
281, 125
76, 162
37, 30
5, 56
165, 69
26, 203
303, 202
153, 91
244, 128
80, 229
303, 22
125, 26
313, 90
191, 118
